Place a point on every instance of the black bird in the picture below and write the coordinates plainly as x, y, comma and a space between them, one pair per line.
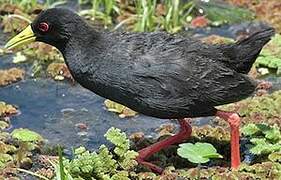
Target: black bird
154, 73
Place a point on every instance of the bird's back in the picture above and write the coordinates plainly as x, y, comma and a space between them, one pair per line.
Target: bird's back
166, 76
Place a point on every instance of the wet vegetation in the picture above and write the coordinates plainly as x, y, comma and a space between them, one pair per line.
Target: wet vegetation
24, 153
10, 76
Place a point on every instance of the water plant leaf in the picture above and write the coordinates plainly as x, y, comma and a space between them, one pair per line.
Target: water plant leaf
123, 111
80, 150
119, 139
26, 135
19, 58
11, 76
273, 134
198, 152
275, 157
3, 125
270, 56
4, 158
262, 146
7, 148
103, 164
250, 129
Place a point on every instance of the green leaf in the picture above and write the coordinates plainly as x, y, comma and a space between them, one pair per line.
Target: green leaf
3, 125
270, 55
250, 129
26, 135
19, 58
5, 158
261, 146
273, 134
119, 139
198, 153
275, 157
80, 150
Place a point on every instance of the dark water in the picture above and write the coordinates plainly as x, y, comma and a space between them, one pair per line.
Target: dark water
53, 108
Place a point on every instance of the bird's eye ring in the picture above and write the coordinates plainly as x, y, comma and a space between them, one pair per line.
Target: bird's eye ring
44, 27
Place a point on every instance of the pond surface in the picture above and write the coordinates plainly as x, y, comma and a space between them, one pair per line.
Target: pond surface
54, 108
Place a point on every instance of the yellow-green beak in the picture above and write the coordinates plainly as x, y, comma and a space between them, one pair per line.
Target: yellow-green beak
25, 37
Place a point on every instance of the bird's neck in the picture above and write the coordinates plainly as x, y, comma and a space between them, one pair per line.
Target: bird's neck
82, 52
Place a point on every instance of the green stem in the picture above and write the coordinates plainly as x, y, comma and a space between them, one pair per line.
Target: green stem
62, 173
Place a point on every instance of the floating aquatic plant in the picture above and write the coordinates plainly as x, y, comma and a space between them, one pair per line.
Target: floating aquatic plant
104, 164
10, 76
59, 71
123, 111
270, 55
198, 153
27, 141
6, 109
264, 139
26, 135
15, 150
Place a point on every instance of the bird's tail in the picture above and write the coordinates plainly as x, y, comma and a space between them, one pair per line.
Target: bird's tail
243, 53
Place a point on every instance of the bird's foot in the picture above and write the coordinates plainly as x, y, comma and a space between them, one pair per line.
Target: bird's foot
154, 168
234, 121
183, 134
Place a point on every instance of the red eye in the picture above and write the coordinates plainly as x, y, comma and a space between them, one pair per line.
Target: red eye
44, 27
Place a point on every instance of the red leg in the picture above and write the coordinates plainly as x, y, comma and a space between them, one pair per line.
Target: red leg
183, 134
234, 121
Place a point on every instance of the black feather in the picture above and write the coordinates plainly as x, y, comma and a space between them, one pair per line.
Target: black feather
243, 54
157, 74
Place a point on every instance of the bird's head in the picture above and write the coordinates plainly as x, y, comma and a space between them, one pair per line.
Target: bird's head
52, 26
